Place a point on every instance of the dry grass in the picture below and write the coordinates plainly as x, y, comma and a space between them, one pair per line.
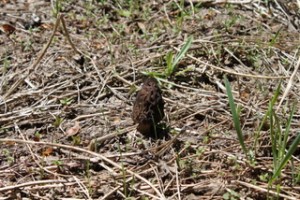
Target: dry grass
65, 125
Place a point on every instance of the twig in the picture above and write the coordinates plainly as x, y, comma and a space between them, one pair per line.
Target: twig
83, 187
34, 157
42, 182
161, 196
230, 71
34, 66
110, 192
99, 140
61, 17
177, 181
265, 190
289, 85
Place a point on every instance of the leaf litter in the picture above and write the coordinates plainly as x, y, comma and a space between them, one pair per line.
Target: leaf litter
86, 92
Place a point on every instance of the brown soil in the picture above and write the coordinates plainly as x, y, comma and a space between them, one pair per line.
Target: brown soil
65, 111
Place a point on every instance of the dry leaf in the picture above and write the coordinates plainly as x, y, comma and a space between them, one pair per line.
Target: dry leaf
47, 26
10, 143
7, 29
245, 94
47, 152
116, 120
142, 26
36, 138
4, 1
73, 130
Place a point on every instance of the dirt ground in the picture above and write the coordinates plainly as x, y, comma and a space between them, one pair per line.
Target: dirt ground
70, 71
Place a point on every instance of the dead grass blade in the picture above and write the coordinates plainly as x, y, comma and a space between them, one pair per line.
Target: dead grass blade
161, 196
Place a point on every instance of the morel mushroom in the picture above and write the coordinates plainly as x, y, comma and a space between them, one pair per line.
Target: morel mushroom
148, 109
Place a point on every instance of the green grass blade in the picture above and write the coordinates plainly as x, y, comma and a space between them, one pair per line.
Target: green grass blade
152, 74
270, 108
170, 66
274, 122
235, 116
288, 127
275, 97
286, 158
183, 50
272, 135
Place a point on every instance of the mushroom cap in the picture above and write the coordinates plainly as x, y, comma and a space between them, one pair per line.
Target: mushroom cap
148, 108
